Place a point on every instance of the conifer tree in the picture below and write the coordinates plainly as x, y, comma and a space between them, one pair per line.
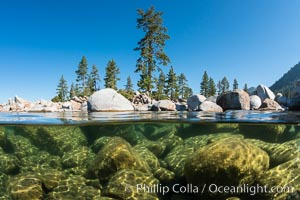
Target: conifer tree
219, 87
235, 84
224, 85
171, 88
204, 84
95, 78
129, 85
245, 87
211, 87
111, 72
62, 89
160, 85
72, 91
187, 92
82, 73
182, 84
151, 47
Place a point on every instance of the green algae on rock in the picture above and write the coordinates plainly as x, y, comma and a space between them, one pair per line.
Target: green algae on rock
116, 155
124, 185
230, 161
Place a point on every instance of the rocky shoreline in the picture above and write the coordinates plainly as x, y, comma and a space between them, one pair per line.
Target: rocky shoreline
110, 100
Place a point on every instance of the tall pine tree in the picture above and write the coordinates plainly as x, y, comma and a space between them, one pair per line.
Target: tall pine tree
82, 74
224, 85
204, 84
72, 91
62, 89
129, 85
211, 87
187, 92
171, 88
160, 85
182, 84
95, 78
151, 47
111, 72
235, 84
245, 87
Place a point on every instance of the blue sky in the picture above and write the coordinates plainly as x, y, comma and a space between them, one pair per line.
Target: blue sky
253, 41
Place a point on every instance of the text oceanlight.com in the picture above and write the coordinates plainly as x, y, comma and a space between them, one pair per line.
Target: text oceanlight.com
212, 188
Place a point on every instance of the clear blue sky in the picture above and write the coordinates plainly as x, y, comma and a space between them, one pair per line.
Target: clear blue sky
253, 41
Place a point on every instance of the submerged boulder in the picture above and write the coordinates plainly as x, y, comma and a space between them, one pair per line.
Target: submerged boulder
230, 161
109, 100
234, 100
116, 155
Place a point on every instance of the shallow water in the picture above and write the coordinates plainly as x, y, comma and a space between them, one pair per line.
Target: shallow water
150, 155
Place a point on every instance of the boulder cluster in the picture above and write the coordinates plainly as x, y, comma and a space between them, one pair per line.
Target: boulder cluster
262, 98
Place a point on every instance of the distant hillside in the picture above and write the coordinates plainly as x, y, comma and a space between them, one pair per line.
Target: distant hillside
285, 84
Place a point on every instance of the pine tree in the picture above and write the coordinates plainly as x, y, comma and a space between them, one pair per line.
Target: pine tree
204, 84
171, 88
72, 91
246, 87
235, 84
224, 85
151, 46
219, 87
82, 73
160, 85
211, 87
129, 85
182, 84
62, 89
111, 72
89, 89
95, 78
187, 92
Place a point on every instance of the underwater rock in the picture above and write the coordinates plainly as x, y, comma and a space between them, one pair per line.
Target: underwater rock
109, 100
9, 164
125, 185
3, 184
116, 155
230, 161
284, 176
234, 100
57, 140
155, 131
202, 140
176, 159
156, 147
148, 156
171, 141
40, 160
279, 153
25, 186
73, 187
164, 175
267, 133
22, 147
99, 143
79, 157
50, 177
